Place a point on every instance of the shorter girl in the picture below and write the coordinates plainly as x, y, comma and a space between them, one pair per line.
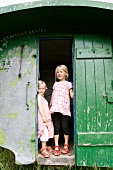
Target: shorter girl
45, 124
60, 107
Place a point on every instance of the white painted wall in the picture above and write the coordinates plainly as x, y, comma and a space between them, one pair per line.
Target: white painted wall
11, 2
4, 3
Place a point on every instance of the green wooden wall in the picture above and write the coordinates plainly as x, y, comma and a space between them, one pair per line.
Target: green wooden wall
94, 89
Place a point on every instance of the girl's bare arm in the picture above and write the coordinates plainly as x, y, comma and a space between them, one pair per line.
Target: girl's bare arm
51, 99
40, 107
71, 93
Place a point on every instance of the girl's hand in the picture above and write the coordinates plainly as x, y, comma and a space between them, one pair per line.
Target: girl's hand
44, 119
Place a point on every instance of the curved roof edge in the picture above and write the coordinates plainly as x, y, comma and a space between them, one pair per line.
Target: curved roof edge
27, 4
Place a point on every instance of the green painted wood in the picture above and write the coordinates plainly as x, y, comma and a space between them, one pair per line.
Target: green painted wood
95, 156
109, 71
80, 83
102, 157
91, 156
81, 97
100, 99
94, 53
95, 138
95, 129
90, 93
83, 161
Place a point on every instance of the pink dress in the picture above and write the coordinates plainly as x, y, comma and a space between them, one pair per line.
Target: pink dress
61, 98
48, 124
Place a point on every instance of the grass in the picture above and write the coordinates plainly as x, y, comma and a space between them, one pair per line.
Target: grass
7, 162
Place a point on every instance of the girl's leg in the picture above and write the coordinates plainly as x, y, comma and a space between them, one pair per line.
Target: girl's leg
44, 139
56, 121
65, 127
66, 139
43, 144
56, 139
56, 117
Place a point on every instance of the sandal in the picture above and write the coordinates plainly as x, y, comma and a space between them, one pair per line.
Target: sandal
57, 151
65, 149
49, 149
44, 153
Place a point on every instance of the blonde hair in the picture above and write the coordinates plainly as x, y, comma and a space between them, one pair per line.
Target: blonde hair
64, 68
40, 82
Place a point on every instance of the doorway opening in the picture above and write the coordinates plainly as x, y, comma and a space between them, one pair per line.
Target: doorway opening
54, 52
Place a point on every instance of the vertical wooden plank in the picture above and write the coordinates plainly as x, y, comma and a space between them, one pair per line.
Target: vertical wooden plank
91, 109
100, 99
88, 41
106, 41
102, 156
108, 77
108, 64
79, 41
90, 90
80, 101
80, 96
81, 156
91, 155
97, 40
80, 84
110, 156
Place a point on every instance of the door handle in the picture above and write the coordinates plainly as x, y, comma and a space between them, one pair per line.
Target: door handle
27, 85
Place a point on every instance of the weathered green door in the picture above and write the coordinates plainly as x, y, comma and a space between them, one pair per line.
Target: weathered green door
17, 97
94, 100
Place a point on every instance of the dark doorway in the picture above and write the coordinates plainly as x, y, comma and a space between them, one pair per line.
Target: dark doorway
54, 52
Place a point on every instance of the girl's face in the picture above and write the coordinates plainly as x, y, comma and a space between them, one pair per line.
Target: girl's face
61, 74
41, 89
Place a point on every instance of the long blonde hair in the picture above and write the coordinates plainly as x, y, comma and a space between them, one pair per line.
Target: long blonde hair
64, 68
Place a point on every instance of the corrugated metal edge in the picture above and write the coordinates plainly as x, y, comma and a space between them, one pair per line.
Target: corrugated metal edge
43, 3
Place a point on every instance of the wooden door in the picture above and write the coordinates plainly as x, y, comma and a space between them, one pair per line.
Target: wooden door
94, 100
17, 97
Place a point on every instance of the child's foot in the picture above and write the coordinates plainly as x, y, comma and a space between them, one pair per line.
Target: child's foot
65, 149
49, 149
44, 153
57, 151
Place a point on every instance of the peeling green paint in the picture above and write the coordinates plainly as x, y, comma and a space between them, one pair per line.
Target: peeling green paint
33, 144
10, 58
33, 115
27, 73
30, 86
19, 142
11, 115
14, 82
33, 62
32, 103
2, 138
25, 130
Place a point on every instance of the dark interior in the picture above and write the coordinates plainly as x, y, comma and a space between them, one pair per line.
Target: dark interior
54, 52
63, 19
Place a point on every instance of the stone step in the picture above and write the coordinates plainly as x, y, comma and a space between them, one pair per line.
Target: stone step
67, 160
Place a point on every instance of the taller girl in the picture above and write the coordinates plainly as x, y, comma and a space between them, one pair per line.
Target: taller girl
60, 107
